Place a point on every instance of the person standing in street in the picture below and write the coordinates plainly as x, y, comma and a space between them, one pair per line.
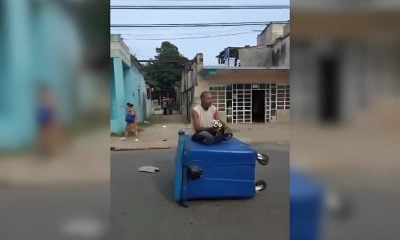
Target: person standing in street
164, 104
131, 122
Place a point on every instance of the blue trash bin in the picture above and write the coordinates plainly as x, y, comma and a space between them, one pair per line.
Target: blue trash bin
306, 206
224, 170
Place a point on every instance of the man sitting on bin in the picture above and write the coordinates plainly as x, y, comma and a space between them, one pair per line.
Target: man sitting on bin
203, 116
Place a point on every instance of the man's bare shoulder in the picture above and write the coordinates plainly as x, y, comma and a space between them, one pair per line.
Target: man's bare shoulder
196, 108
194, 112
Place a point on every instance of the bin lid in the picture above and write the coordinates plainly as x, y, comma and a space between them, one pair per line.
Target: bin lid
303, 186
229, 151
179, 168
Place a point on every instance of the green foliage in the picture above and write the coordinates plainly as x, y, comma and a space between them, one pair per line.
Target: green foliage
166, 71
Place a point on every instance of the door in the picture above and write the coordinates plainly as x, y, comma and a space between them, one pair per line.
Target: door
144, 107
258, 105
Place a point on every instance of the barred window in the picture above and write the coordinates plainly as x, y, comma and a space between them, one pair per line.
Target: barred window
283, 99
219, 95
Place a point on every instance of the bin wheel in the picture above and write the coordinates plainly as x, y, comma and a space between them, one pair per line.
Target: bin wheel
262, 159
260, 185
184, 203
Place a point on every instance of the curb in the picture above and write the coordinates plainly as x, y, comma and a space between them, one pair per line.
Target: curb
269, 142
114, 149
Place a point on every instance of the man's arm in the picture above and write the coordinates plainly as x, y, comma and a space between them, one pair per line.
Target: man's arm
196, 122
224, 125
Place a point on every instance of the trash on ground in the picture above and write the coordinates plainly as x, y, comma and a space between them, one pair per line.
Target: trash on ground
149, 169
164, 126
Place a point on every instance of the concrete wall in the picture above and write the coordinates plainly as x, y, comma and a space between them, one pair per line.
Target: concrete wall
149, 107
224, 77
259, 56
34, 52
127, 85
119, 49
193, 83
281, 52
191, 80
135, 91
250, 76
270, 34
283, 116
17, 82
117, 97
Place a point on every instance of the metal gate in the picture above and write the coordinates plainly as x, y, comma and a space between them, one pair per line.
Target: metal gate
241, 103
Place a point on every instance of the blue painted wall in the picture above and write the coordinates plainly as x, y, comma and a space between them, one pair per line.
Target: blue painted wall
127, 85
17, 130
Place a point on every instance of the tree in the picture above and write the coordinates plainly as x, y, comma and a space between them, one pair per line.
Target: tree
166, 70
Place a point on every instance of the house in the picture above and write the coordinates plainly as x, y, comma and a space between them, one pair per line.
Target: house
127, 85
271, 32
251, 83
343, 61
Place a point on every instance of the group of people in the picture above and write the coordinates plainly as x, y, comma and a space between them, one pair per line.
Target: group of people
203, 116
167, 105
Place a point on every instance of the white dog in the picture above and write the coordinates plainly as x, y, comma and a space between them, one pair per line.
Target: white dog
216, 124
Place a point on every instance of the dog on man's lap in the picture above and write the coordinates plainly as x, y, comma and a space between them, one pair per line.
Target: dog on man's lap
219, 130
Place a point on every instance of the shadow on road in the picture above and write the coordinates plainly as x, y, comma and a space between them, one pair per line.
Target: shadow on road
164, 180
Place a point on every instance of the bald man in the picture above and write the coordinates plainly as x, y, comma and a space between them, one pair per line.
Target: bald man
202, 117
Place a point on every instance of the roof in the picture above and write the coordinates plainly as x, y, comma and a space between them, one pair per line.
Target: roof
271, 24
136, 63
233, 52
243, 68
211, 70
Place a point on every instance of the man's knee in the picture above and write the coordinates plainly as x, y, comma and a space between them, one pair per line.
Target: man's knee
204, 137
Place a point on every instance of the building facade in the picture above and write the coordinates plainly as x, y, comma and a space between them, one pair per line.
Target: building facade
271, 32
250, 85
241, 94
127, 85
33, 56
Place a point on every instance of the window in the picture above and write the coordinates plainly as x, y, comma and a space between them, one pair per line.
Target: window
283, 97
242, 103
218, 94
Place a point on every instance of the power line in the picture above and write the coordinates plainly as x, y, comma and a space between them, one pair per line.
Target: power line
192, 0
210, 36
165, 30
198, 7
176, 33
172, 25
166, 34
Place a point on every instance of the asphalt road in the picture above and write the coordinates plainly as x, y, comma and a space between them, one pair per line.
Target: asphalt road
55, 212
142, 205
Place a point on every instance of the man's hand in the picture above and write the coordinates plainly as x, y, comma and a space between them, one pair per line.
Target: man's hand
228, 130
213, 130
224, 125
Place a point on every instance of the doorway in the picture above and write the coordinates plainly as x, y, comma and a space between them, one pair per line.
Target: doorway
329, 90
258, 106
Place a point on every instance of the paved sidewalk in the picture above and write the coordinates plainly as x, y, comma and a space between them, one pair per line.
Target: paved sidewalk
83, 161
163, 136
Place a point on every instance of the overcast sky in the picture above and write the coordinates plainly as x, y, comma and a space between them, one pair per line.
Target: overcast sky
211, 46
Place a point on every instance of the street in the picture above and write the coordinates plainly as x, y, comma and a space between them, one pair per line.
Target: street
55, 212
142, 205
